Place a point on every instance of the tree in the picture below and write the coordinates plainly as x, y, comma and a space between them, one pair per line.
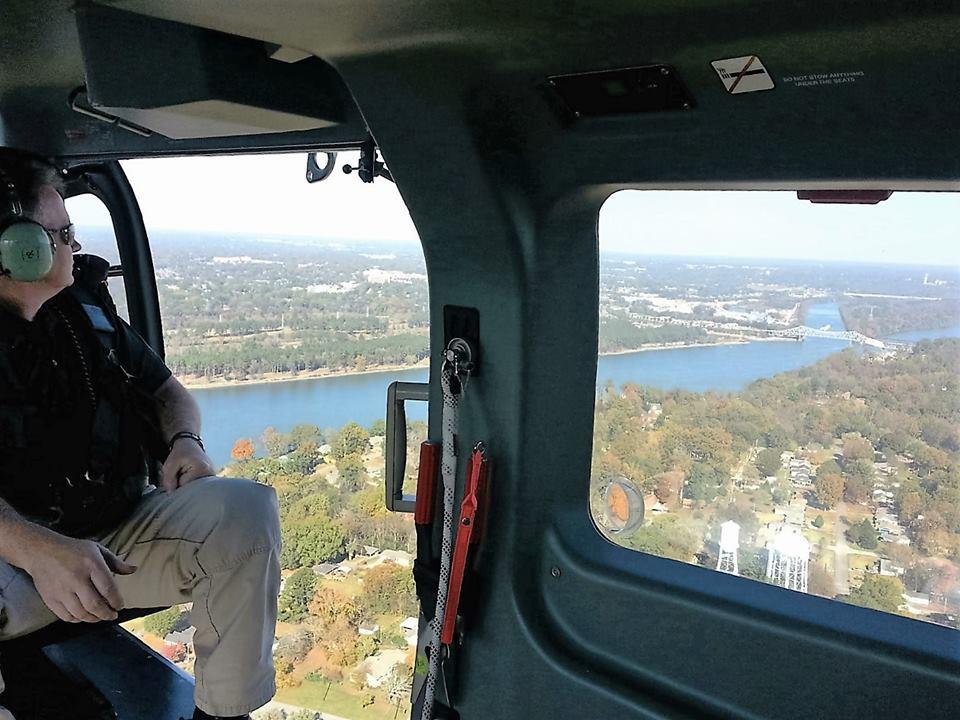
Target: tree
305, 544
856, 448
910, 505
857, 482
878, 592
768, 461
306, 436
353, 475
164, 622
328, 606
740, 511
777, 438
400, 683
666, 537
304, 714
370, 502
351, 440
276, 713
667, 489
702, 483
378, 428
242, 450
864, 535
830, 467
297, 593
276, 443
828, 489
818, 521
388, 588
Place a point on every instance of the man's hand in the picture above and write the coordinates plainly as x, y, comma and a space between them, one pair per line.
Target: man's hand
186, 462
75, 578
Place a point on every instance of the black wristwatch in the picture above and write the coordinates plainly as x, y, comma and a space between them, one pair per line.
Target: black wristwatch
187, 434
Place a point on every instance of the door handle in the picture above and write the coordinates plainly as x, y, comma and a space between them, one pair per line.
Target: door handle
395, 453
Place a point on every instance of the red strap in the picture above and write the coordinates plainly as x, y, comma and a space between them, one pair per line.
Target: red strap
476, 472
426, 482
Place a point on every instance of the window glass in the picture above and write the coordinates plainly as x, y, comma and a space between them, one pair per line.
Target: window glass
288, 308
94, 229
778, 388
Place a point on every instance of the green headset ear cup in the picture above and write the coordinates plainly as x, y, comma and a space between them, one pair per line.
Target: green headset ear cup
25, 251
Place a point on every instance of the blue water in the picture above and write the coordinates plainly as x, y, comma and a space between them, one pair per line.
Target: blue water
245, 411
230, 413
915, 335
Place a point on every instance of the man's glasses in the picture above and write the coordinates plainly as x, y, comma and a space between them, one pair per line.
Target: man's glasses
67, 235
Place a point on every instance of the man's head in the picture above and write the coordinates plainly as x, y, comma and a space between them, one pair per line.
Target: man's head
36, 190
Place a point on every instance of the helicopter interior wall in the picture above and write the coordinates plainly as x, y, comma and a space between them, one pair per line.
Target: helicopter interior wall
505, 191
508, 220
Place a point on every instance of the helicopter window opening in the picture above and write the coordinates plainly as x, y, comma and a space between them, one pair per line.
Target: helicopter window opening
288, 308
94, 228
778, 394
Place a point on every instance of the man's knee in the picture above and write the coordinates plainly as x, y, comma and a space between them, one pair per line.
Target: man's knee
246, 518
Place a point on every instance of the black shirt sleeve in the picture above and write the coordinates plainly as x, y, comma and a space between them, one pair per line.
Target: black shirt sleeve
148, 371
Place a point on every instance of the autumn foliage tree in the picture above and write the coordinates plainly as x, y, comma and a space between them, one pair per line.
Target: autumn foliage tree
829, 490
242, 449
388, 588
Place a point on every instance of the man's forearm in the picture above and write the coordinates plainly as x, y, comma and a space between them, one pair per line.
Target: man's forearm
18, 536
178, 410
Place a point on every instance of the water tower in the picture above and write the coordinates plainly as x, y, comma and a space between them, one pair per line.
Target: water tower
788, 558
729, 546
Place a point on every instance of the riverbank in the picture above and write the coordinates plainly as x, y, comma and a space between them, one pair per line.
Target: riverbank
201, 383
194, 382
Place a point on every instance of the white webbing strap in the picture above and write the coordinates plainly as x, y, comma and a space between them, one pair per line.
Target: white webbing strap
448, 472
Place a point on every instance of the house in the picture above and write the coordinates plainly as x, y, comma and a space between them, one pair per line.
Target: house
323, 569
409, 627
658, 508
916, 602
181, 637
376, 669
368, 628
888, 569
397, 557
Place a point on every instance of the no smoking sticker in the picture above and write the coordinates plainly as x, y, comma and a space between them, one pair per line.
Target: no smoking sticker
743, 74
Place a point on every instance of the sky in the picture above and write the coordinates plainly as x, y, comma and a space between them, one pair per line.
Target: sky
268, 195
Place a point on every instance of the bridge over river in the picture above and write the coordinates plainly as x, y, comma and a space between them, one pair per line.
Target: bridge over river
800, 332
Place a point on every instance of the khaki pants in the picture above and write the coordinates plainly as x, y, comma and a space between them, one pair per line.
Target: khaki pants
215, 542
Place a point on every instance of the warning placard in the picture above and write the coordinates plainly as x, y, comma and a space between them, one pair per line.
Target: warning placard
743, 74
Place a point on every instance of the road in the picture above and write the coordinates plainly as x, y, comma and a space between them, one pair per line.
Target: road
841, 569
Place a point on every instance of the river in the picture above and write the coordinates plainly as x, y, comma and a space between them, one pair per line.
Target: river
242, 411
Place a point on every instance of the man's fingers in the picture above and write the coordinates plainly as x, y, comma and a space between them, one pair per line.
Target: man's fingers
95, 604
115, 564
57, 608
75, 608
107, 587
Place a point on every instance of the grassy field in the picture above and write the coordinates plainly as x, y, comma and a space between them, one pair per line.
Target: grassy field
859, 563
338, 700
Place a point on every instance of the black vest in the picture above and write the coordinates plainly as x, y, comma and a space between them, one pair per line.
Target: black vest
75, 441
